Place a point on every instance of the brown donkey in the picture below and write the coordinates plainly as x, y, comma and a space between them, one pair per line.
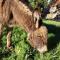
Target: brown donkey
23, 17
36, 37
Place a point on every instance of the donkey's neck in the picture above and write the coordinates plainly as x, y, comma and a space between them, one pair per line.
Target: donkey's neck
21, 15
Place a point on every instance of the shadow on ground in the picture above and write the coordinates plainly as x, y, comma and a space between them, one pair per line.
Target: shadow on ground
53, 40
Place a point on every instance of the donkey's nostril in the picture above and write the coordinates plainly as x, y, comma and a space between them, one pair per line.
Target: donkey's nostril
43, 49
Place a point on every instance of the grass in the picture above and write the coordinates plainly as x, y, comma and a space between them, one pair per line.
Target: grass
23, 51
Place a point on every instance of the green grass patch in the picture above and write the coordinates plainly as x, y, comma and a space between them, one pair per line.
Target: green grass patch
22, 49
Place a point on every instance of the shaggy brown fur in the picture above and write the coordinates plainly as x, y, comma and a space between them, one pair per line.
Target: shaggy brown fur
37, 37
22, 18
4, 18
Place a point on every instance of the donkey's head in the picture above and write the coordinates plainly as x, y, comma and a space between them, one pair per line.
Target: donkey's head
38, 39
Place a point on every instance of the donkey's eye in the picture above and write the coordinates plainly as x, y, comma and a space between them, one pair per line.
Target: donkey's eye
38, 36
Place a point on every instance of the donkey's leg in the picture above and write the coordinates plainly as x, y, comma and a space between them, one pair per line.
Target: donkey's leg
10, 27
1, 29
9, 40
